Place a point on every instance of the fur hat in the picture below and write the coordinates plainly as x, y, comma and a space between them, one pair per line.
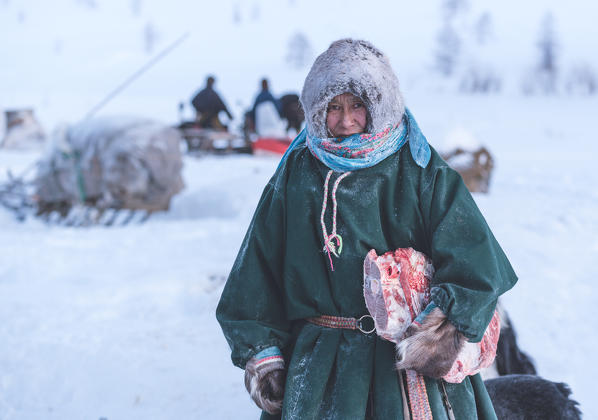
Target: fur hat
356, 67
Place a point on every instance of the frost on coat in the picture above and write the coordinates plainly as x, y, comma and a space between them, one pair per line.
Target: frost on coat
281, 276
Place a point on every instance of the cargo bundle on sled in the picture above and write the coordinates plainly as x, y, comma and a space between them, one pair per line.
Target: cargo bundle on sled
96, 169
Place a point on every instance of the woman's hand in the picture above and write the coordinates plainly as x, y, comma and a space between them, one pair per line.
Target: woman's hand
430, 346
265, 383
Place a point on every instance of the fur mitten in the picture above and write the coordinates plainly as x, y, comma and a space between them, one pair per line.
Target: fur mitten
265, 378
431, 344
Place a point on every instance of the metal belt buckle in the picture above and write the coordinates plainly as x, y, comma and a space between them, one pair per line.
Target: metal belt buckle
360, 326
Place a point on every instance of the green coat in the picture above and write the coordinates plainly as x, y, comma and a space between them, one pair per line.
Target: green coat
282, 276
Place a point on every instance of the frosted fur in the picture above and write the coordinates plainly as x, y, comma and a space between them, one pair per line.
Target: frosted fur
357, 67
430, 348
265, 384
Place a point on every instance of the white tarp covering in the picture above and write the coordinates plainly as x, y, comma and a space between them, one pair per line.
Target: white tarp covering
267, 121
112, 162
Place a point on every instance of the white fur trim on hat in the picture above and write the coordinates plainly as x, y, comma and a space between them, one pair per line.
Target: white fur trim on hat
357, 67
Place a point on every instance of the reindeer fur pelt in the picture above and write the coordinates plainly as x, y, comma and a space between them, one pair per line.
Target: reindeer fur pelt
430, 348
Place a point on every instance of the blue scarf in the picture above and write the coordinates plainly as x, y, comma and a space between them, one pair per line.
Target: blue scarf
360, 151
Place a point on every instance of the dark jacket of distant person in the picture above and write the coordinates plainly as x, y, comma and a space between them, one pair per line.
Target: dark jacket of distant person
208, 104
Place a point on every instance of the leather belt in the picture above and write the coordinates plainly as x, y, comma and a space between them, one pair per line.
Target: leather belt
342, 322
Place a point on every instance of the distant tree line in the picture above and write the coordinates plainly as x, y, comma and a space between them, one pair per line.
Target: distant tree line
462, 45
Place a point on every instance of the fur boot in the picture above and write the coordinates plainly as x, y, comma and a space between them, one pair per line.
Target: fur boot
430, 348
265, 383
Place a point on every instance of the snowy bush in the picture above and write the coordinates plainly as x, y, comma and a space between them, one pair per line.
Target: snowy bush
582, 79
300, 53
480, 79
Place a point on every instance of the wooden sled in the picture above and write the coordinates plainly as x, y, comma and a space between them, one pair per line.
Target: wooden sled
207, 140
475, 167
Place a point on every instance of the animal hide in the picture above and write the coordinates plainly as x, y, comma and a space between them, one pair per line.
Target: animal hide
397, 289
430, 348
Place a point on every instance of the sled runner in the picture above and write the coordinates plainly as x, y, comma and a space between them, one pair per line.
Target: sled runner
207, 140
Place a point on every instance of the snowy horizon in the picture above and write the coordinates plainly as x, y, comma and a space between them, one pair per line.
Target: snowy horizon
66, 56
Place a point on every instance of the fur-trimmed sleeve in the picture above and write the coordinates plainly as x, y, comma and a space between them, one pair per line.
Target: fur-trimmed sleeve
472, 270
251, 310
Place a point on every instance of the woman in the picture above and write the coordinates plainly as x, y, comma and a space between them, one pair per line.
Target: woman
360, 177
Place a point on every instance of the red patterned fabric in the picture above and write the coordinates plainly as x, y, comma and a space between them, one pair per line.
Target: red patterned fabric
397, 289
418, 396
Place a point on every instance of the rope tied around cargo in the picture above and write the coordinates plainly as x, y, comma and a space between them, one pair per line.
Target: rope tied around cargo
329, 246
75, 156
80, 180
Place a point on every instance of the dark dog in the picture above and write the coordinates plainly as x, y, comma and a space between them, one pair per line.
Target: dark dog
529, 397
509, 357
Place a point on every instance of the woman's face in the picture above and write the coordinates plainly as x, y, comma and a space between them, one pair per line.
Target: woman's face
347, 115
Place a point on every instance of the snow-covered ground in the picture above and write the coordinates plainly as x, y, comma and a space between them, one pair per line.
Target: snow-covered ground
118, 323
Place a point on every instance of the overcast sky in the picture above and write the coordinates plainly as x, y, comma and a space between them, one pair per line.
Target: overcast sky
64, 56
